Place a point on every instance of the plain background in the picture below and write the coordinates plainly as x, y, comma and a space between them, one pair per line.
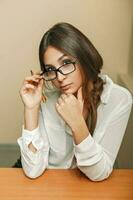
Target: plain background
107, 23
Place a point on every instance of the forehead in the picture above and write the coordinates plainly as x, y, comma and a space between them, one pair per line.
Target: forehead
53, 55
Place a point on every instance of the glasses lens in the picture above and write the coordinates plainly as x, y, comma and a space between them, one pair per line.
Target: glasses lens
49, 75
67, 68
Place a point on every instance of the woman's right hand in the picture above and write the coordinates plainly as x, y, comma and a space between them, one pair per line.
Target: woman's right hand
31, 91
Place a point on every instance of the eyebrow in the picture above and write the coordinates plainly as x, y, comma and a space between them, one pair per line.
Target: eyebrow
60, 58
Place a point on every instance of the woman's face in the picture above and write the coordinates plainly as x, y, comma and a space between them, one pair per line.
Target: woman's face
70, 83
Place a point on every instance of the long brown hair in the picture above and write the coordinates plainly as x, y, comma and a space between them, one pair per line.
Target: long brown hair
72, 41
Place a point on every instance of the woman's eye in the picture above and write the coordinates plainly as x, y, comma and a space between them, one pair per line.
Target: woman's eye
48, 69
66, 62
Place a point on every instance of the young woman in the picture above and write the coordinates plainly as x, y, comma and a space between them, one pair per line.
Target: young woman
83, 120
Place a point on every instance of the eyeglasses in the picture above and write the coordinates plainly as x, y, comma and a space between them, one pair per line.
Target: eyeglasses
50, 72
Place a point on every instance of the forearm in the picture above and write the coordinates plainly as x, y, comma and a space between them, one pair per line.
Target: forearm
93, 160
31, 118
34, 162
80, 130
31, 122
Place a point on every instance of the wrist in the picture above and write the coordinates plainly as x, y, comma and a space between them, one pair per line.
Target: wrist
32, 109
78, 124
80, 131
31, 118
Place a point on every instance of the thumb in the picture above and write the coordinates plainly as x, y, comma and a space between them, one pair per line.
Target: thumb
80, 95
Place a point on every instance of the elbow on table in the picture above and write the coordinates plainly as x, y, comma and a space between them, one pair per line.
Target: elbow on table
35, 167
97, 177
33, 173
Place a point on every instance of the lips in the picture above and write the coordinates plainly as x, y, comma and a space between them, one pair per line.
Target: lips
65, 86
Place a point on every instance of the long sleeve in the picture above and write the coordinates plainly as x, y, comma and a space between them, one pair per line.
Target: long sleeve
34, 164
96, 155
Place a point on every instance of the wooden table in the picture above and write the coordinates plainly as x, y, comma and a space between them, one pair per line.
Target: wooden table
64, 184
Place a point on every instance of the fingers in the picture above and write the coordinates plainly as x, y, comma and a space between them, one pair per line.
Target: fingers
27, 87
63, 98
40, 84
34, 78
40, 81
36, 73
32, 82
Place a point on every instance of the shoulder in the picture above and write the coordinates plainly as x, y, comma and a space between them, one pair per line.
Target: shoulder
122, 93
115, 94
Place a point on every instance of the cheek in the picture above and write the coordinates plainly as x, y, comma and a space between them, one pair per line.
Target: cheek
78, 78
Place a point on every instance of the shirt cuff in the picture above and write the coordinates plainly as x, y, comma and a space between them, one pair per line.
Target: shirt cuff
33, 136
85, 144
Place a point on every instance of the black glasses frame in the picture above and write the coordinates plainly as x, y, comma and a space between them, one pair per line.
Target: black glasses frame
58, 70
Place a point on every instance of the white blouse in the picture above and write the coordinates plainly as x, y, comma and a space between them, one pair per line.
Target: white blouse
95, 155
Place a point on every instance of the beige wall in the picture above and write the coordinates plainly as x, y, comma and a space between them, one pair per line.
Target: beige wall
22, 23
130, 63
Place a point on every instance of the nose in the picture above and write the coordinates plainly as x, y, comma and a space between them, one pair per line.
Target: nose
60, 77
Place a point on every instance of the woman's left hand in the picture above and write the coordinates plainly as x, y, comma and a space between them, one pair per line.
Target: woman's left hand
71, 108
